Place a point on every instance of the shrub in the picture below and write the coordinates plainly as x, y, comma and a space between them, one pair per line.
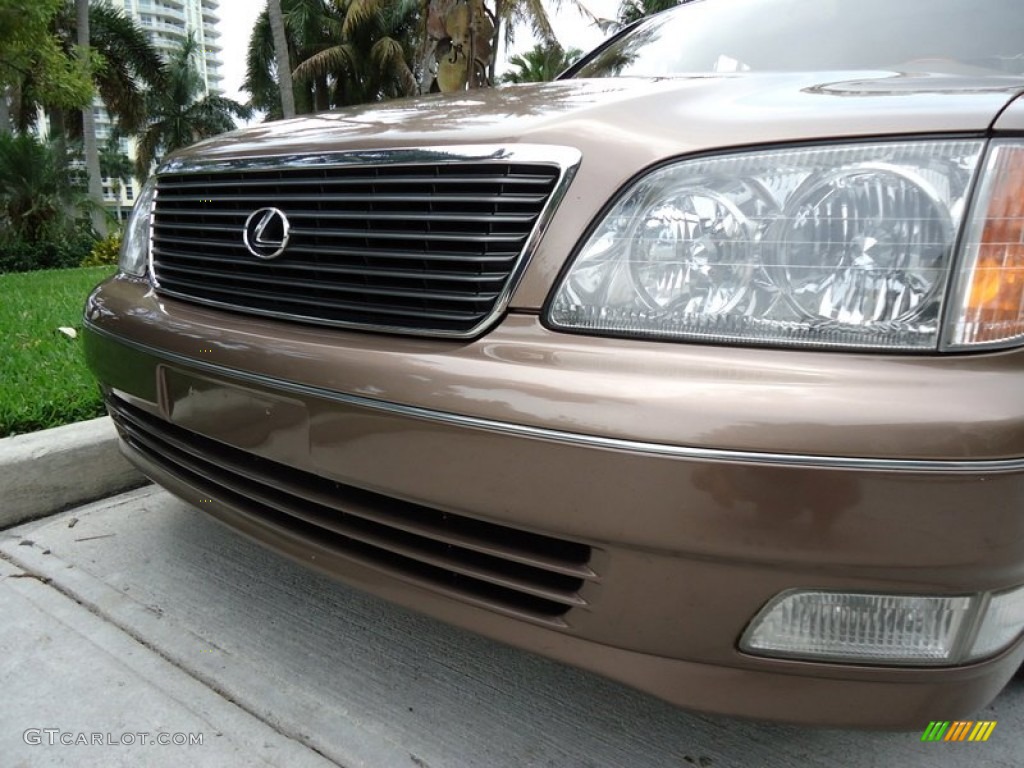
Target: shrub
44, 205
56, 250
105, 252
42, 187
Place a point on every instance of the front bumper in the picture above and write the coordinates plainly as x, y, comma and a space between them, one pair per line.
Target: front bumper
627, 508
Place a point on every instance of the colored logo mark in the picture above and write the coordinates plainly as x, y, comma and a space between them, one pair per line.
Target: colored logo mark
958, 730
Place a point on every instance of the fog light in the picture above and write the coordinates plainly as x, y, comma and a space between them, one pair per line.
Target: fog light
1003, 622
870, 629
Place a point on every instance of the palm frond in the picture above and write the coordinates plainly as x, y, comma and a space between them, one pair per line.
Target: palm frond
335, 61
533, 13
119, 38
359, 15
181, 113
388, 59
605, 25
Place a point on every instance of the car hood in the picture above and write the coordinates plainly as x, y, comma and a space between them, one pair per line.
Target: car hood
621, 126
649, 117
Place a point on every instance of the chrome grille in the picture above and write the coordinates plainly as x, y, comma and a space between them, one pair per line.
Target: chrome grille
504, 568
420, 247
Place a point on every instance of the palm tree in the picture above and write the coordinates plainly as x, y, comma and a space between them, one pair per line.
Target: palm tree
92, 155
634, 10
458, 45
115, 165
310, 26
29, 47
121, 61
131, 64
369, 58
180, 113
470, 27
127, 65
349, 52
284, 67
511, 13
540, 64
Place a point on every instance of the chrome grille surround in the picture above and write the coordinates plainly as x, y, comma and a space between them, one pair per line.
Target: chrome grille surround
488, 206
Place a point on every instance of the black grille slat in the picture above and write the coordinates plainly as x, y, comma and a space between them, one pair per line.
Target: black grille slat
197, 243
505, 567
370, 246
295, 305
428, 259
453, 218
298, 214
421, 199
199, 265
205, 228
353, 234
326, 288
427, 237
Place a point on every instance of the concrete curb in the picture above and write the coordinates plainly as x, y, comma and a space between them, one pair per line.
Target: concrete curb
45, 472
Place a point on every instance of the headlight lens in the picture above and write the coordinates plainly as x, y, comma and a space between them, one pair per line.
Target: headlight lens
845, 246
135, 248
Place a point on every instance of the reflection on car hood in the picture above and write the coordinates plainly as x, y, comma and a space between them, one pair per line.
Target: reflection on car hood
651, 117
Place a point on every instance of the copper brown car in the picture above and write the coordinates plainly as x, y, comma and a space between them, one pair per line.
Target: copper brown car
700, 367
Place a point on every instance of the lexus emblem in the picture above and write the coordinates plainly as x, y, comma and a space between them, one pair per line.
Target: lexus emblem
266, 233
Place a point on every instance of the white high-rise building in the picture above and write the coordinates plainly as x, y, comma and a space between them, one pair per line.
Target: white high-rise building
167, 22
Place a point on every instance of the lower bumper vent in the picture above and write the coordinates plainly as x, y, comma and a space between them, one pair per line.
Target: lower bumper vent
503, 568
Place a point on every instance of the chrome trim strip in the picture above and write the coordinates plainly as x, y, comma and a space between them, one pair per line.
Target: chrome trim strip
455, 153
566, 159
950, 466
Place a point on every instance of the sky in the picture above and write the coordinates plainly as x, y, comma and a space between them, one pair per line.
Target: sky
237, 18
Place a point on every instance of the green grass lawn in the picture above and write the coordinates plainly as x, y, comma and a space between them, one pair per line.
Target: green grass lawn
43, 378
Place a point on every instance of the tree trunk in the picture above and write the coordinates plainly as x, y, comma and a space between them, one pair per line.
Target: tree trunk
57, 135
57, 129
323, 94
284, 67
115, 186
5, 111
92, 152
492, 65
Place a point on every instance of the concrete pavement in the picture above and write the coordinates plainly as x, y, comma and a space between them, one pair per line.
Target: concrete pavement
79, 691
141, 614
53, 469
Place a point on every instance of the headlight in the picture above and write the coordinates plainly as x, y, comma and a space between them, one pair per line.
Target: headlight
848, 246
135, 248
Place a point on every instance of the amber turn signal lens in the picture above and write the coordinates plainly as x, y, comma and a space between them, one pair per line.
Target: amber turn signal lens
991, 295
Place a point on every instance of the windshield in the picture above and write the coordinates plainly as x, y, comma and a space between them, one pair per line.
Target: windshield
705, 36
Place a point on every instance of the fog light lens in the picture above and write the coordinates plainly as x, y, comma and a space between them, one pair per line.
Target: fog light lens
1003, 621
862, 628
